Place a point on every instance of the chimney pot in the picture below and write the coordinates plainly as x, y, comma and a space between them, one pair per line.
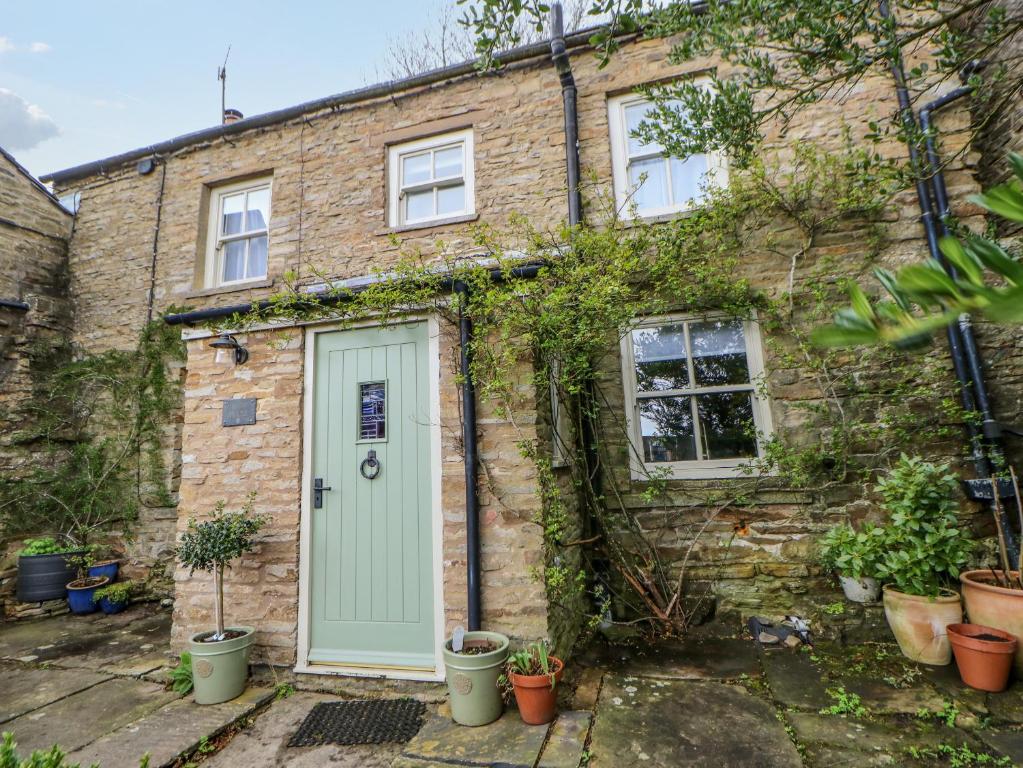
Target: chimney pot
232, 116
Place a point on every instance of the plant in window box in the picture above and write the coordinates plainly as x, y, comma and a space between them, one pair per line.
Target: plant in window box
534, 674
923, 551
220, 658
853, 555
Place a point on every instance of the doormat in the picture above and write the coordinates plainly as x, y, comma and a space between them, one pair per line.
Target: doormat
360, 722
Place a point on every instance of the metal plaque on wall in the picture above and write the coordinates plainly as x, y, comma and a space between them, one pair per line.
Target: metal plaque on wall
239, 412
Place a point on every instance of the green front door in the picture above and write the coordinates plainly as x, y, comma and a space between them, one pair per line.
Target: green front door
371, 592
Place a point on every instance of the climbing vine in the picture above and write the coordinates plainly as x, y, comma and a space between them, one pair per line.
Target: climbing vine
777, 244
94, 425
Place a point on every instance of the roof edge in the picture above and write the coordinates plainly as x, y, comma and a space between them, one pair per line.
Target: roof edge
35, 182
533, 50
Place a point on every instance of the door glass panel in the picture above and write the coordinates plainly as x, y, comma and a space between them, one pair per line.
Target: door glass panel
371, 411
726, 423
719, 353
660, 358
666, 425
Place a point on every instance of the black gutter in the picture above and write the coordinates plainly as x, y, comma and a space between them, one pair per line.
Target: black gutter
522, 53
962, 348
11, 304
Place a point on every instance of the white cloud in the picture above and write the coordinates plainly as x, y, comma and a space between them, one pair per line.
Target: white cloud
40, 47
23, 125
6, 44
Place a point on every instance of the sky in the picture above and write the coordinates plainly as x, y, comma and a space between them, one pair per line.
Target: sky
82, 80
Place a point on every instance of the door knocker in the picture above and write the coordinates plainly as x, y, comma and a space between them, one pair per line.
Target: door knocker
370, 466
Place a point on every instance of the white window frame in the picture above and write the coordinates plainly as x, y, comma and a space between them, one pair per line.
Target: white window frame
699, 468
396, 191
215, 242
717, 169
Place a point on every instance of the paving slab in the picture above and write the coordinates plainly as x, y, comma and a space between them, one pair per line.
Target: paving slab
566, 741
1004, 742
1007, 707
28, 688
264, 744
833, 734
685, 723
698, 658
80, 719
507, 742
169, 732
881, 698
794, 680
58, 639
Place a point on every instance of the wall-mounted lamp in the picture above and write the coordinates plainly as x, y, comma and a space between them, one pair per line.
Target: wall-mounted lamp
227, 341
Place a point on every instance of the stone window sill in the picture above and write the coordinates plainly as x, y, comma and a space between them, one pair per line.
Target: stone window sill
423, 225
222, 289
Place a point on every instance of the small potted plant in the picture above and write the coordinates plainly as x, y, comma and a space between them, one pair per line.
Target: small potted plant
104, 565
44, 569
983, 654
220, 657
114, 598
473, 662
81, 592
534, 674
853, 555
923, 551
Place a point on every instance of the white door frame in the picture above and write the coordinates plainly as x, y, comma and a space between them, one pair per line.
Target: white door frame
433, 374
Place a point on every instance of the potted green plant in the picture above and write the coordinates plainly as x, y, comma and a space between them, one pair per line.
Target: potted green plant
923, 552
853, 555
44, 569
534, 674
81, 592
220, 657
114, 598
473, 662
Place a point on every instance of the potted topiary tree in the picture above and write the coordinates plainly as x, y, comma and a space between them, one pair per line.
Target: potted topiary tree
923, 551
220, 658
853, 555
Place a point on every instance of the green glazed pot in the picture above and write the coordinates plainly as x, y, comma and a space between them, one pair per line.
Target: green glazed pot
472, 680
220, 671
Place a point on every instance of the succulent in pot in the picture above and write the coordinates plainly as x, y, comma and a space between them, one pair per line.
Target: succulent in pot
853, 555
923, 551
534, 675
220, 657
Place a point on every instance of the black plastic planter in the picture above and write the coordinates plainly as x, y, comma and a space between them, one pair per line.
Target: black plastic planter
45, 577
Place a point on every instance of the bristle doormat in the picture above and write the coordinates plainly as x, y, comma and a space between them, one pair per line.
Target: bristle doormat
360, 722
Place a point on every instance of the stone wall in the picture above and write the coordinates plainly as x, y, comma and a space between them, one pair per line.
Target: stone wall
34, 231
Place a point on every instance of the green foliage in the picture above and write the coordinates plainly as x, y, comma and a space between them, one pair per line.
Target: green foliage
835, 609
181, 676
212, 544
924, 547
959, 756
923, 298
532, 661
43, 546
948, 714
284, 690
118, 592
95, 422
853, 553
846, 703
51, 758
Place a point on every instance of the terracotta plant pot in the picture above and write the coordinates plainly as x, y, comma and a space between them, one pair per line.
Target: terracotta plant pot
918, 624
994, 606
983, 654
536, 695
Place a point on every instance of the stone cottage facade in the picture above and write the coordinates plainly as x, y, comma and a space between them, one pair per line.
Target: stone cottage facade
326, 190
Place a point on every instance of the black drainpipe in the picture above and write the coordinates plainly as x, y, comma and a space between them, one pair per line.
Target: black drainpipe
963, 349
470, 448
559, 55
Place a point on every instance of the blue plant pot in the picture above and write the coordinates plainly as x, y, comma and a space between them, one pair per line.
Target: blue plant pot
108, 606
108, 569
83, 599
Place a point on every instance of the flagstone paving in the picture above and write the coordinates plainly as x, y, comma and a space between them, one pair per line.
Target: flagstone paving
95, 686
